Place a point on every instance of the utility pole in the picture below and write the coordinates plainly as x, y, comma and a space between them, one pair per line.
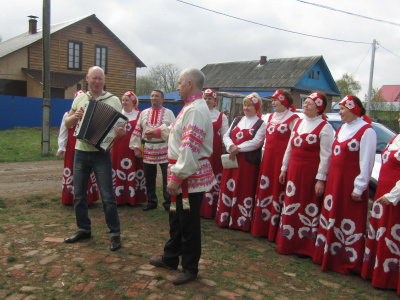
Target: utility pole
46, 108
371, 75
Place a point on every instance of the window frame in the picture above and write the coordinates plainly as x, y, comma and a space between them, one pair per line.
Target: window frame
96, 59
74, 43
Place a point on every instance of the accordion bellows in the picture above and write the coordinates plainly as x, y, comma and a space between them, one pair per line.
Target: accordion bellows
97, 125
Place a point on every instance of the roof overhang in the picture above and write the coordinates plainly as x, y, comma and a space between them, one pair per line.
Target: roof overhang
57, 79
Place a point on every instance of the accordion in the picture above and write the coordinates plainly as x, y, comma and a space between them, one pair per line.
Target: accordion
97, 125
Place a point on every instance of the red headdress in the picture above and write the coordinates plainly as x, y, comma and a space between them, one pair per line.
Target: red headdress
78, 93
212, 93
133, 97
256, 100
352, 105
278, 95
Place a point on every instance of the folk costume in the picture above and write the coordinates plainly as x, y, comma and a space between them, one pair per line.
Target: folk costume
382, 254
238, 185
128, 170
270, 192
341, 236
66, 143
155, 152
190, 141
306, 160
220, 127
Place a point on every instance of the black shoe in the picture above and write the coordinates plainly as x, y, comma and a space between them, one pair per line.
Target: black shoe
158, 262
302, 256
166, 208
115, 243
149, 207
80, 235
184, 276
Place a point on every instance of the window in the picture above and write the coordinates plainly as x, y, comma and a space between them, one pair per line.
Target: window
74, 56
101, 57
312, 74
89, 30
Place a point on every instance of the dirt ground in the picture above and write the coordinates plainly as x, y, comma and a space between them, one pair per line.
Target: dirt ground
29, 178
21, 179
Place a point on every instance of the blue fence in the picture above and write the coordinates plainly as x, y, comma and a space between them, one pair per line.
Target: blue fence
27, 111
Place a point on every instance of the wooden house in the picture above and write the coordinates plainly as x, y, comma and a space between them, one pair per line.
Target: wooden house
299, 75
75, 46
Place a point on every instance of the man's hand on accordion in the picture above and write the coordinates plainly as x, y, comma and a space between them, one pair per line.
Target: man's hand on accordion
120, 131
79, 114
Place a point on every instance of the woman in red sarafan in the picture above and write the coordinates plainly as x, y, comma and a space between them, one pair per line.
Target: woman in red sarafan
304, 169
382, 251
341, 236
128, 171
238, 185
270, 192
66, 147
220, 125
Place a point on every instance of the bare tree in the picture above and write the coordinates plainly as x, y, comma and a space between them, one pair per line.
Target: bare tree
165, 76
144, 85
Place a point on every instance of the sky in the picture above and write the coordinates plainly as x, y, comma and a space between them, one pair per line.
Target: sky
182, 33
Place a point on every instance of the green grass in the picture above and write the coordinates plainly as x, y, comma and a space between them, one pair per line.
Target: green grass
24, 144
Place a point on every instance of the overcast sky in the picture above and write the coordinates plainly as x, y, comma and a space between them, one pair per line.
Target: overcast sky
172, 31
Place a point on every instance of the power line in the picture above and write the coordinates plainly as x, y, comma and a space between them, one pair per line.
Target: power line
361, 61
389, 50
285, 30
349, 13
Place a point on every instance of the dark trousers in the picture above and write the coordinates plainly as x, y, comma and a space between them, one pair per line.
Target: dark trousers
100, 163
150, 171
185, 235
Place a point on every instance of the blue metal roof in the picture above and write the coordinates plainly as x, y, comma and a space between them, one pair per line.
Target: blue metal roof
167, 96
262, 94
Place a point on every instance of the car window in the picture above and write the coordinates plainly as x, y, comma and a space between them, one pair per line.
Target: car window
383, 136
336, 124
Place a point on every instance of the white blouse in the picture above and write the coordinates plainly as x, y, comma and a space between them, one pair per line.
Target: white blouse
247, 123
63, 135
367, 151
214, 117
394, 195
131, 115
326, 137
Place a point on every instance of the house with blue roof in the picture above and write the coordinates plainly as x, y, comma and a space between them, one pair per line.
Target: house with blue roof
299, 75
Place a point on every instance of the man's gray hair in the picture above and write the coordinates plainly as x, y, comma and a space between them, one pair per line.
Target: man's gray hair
194, 75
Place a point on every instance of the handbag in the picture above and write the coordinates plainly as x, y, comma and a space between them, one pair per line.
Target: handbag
227, 163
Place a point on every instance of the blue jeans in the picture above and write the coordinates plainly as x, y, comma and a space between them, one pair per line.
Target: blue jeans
100, 163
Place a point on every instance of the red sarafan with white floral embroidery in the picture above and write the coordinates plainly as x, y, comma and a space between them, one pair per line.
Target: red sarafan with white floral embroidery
128, 170
341, 235
67, 197
238, 188
382, 252
300, 214
210, 199
270, 192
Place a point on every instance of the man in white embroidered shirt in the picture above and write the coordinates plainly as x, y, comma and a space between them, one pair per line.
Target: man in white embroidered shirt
155, 152
190, 142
